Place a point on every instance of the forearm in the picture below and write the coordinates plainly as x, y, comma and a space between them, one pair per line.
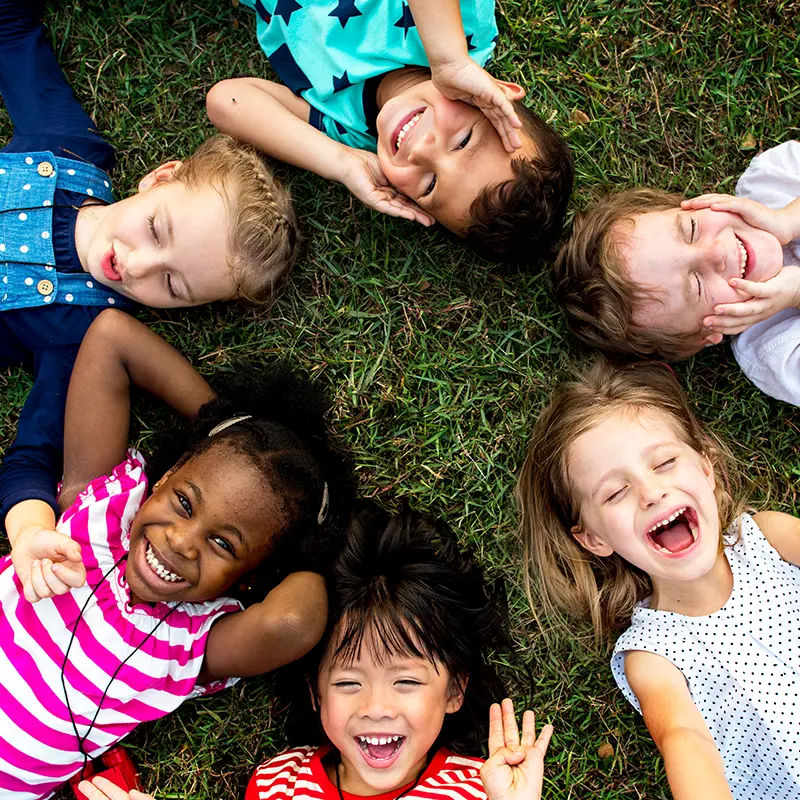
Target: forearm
694, 766
441, 30
247, 110
278, 630
27, 514
792, 214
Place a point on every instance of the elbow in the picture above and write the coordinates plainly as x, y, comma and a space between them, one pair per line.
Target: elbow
221, 104
300, 633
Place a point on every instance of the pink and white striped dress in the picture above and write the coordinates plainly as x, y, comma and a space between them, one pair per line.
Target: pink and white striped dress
38, 746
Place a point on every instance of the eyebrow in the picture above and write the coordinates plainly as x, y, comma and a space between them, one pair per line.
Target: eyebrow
606, 475
170, 230
232, 529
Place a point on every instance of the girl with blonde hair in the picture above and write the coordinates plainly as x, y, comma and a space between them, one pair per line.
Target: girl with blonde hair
633, 516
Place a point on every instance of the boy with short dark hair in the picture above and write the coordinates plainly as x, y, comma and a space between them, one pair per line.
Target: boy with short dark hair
388, 98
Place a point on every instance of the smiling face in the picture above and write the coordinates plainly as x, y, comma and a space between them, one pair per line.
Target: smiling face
209, 522
646, 495
687, 259
441, 153
163, 247
383, 716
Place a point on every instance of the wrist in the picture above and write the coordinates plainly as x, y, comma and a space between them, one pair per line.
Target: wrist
448, 55
27, 517
791, 215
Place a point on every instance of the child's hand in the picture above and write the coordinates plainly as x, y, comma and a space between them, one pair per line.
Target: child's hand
102, 789
775, 221
514, 769
47, 562
761, 300
364, 177
465, 80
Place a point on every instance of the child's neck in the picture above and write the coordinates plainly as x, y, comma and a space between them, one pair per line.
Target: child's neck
398, 81
346, 778
698, 598
90, 216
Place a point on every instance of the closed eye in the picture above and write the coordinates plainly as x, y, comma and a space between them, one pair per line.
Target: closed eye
151, 222
699, 286
224, 544
408, 682
694, 229
668, 463
170, 288
616, 496
184, 503
430, 187
465, 141
346, 684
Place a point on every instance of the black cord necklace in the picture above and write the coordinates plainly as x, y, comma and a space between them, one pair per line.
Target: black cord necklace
402, 794
82, 739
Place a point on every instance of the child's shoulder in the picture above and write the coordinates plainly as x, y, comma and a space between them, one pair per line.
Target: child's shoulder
280, 776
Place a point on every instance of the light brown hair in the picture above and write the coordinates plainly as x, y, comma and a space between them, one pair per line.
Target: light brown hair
262, 240
560, 575
592, 285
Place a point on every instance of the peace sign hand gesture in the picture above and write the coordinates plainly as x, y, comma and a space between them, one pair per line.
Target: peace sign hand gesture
515, 767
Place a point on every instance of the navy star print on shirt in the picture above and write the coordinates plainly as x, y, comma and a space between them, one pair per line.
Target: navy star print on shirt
285, 9
341, 82
406, 21
345, 10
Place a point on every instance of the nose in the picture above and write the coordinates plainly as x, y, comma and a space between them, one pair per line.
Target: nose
422, 149
376, 704
651, 492
138, 265
715, 256
182, 539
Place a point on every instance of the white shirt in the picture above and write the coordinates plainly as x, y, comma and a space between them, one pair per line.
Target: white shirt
769, 351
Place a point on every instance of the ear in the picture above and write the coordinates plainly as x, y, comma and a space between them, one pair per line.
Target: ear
160, 174
712, 338
312, 694
589, 541
455, 695
708, 471
513, 91
162, 480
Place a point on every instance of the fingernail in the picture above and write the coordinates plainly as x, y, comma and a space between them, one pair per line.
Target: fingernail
54, 568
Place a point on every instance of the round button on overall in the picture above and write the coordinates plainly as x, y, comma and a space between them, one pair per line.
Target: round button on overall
44, 287
45, 169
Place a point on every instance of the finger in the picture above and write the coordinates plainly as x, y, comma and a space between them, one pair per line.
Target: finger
510, 729
91, 792
705, 200
495, 741
135, 794
38, 583
729, 326
109, 789
63, 545
752, 288
501, 122
749, 308
528, 729
53, 581
543, 742
74, 575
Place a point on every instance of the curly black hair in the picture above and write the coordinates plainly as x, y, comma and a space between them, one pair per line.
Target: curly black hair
402, 586
287, 439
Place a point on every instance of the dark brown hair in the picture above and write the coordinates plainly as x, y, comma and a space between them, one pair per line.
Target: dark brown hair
520, 220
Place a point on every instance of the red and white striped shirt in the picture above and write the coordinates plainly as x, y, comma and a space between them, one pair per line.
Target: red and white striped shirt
300, 773
38, 746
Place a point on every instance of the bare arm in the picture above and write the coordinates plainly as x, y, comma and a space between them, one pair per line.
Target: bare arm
782, 532
278, 630
441, 29
692, 760
117, 352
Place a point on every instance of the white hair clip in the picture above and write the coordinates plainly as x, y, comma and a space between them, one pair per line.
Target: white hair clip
323, 509
227, 423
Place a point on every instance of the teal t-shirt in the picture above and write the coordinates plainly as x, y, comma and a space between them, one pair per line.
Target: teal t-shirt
333, 54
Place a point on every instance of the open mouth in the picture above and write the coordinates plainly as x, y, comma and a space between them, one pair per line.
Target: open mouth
675, 533
109, 266
380, 750
406, 127
160, 569
743, 256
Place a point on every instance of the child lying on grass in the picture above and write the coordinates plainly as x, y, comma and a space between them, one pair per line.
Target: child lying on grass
216, 227
388, 98
650, 273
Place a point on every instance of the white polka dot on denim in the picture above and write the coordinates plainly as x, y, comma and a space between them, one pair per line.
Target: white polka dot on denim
24, 248
89, 191
49, 298
26, 187
111, 300
29, 281
70, 172
89, 284
49, 268
68, 298
2, 172
5, 278
47, 203
45, 234
105, 183
29, 160
2, 248
23, 216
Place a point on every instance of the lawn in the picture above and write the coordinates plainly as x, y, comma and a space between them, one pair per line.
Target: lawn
439, 361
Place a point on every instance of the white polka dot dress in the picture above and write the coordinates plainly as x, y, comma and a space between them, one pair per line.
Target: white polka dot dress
742, 666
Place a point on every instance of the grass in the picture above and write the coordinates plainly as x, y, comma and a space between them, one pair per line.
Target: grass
441, 362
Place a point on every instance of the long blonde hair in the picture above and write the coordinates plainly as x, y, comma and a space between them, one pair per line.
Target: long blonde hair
560, 575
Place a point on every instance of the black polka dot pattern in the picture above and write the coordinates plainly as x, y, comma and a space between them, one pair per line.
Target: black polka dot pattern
742, 666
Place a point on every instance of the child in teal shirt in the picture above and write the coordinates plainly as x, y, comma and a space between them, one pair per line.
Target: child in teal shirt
388, 98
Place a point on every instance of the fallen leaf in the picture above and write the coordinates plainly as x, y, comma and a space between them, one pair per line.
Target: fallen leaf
748, 142
579, 117
605, 750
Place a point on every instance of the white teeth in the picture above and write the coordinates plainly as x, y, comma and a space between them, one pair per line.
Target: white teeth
406, 128
742, 258
159, 568
379, 739
671, 518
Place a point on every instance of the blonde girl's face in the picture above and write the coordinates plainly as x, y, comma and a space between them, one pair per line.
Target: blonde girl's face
383, 716
646, 495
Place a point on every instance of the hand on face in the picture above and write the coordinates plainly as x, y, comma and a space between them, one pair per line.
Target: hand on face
774, 221
515, 767
365, 179
47, 563
100, 788
760, 301
466, 81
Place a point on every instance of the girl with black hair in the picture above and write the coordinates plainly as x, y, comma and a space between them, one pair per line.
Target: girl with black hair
126, 611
